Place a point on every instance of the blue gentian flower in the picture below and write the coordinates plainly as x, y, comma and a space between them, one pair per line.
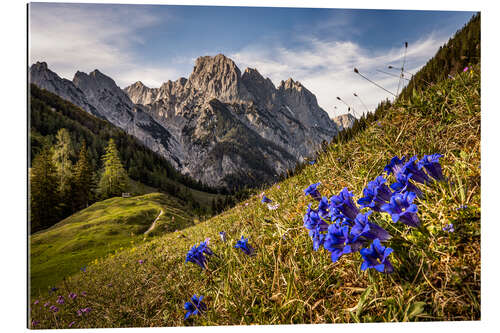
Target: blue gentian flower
449, 228
266, 199
364, 228
222, 235
403, 184
344, 203
195, 307
376, 193
323, 208
338, 241
395, 165
417, 174
318, 238
196, 254
313, 191
312, 220
376, 256
432, 166
402, 208
244, 246
312, 162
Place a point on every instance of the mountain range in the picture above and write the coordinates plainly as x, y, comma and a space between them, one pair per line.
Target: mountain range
219, 126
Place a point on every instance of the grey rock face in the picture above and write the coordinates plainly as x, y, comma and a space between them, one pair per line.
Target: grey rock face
44, 78
344, 121
219, 126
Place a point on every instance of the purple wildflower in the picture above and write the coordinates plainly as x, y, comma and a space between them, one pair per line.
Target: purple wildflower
402, 208
36, 302
344, 203
195, 307
140, 261
84, 293
376, 256
313, 191
395, 165
366, 229
34, 323
376, 193
338, 241
244, 246
54, 308
273, 207
46, 304
266, 199
72, 323
196, 254
432, 166
60, 300
417, 174
72, 296
466, 69
403, 184
449, 228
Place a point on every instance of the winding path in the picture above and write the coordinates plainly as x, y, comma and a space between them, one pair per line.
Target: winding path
154, 223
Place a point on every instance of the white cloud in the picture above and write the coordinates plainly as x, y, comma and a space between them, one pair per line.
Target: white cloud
326, 69
79, 37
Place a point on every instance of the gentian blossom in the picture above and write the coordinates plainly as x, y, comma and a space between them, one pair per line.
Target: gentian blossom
376, 256
449, 228
344, 203
339, 241
244, 246
417, 174
366, 229
432, 166
316, 226
323, 207
72, 296
34, 323
36, 302
402, 208
84, 293
312, 162
140, 261
403, 184
197, 254
395, 165
266, 199
196, 306
376, 193
313, 191
60, 300
46, 304
72, 323
54, 308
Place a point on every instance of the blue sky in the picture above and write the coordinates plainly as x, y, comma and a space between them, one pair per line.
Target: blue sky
318, 47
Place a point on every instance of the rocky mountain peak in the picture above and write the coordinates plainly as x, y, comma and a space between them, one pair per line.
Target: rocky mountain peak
218, 77
40, 66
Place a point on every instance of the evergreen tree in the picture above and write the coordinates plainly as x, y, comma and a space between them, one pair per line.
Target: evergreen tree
83, 180
114, 179
62, 151
43, 191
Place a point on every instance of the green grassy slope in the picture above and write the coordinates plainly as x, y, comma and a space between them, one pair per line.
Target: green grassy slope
437, 274
103, 228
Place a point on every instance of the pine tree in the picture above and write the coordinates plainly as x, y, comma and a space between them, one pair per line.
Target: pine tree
83, 180
43, 191
114, 179
61, 153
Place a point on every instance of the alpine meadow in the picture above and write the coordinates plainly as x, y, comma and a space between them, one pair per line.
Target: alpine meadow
221, 198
